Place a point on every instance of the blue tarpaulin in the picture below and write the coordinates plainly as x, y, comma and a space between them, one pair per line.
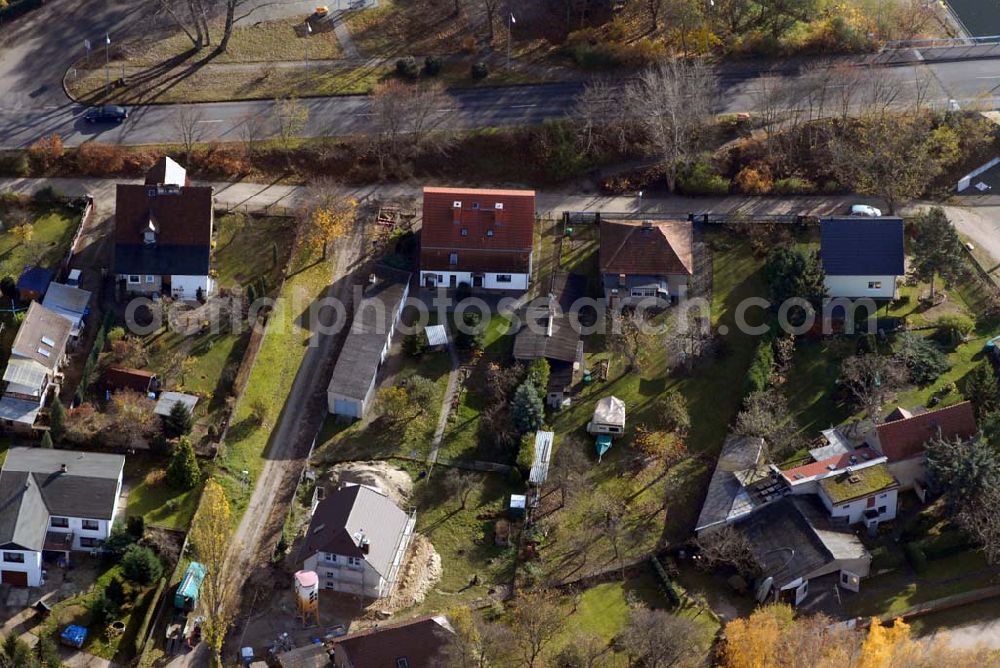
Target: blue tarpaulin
603, 445
74, 636
35, 279
187, 590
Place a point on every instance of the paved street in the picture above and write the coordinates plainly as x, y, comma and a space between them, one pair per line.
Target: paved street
41, 45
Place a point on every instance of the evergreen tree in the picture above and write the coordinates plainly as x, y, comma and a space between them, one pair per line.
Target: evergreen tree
982, 389
179, 421
140, 565
57, 419
936, 248
47, 440
961, 470
183, 471
527, 409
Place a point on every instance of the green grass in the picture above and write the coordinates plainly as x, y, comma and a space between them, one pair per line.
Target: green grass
463, 538
346, 441
895, 592
271, 379
246, 250
151, 497
602, 612
54, 227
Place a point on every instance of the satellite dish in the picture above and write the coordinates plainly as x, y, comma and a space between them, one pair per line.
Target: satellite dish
764, 589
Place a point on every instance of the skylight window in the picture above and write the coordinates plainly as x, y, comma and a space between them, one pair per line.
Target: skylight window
47, 341
44, 352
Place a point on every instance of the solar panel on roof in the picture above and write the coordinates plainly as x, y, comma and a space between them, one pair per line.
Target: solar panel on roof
47, 341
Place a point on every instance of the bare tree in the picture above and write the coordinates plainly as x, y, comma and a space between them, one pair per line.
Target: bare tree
491, 7
728, 547
673, 102
459, 484
980, 520
766, 415
871, 378
658, 639
569, 470
407, 119
600, 121
227, 29
191, 16
631, 336
253, 128
190, 127
538, 623
290, 117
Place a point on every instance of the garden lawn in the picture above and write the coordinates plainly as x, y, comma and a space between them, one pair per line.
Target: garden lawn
464, 541
602, 612
362, 439
252, 251
663, 505
271, 379
461, 436
151, 497
54, 228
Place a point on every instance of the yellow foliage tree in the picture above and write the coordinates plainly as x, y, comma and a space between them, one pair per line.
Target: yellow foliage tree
883, 644
330, 221
23, 233
754, 642
210, 534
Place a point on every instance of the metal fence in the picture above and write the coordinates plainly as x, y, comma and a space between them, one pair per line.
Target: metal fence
705, 218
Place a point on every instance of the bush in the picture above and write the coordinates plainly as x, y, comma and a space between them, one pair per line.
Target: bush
944, 544
45, 152
407, 67
472, 337
14, 163
885, 558
526, 453
671, 411
759, 374
140, 565
101, 610
136, 526
47, 195
480, 70
953, 329
415, 344
793, 186
114, 591
754, 180
117, 541
178, 422
916, 557
923, 359
98, 159
432, 66
700, 179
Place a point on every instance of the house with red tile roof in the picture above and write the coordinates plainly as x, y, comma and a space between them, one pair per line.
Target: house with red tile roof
902, 440
854, 486
163, 234
483, 238
642, 259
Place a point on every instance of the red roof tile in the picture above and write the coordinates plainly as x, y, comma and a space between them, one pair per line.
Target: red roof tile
490, 230
903, 439
651, 248
122, 378
862, 454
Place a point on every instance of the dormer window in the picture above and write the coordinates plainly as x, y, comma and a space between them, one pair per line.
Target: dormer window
149, 237
489, 233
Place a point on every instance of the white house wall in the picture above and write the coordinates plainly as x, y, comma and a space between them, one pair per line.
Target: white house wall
186, 287
854, 511
857, 286
32, 565
345, 579
490, 282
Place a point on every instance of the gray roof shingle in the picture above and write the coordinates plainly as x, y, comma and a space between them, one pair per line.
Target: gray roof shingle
862, 246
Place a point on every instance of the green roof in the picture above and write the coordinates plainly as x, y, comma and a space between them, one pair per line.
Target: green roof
857, 483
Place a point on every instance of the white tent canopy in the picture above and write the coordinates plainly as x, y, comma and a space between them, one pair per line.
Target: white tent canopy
610, 411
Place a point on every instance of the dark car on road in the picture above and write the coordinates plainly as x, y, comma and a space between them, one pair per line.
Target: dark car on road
107, 114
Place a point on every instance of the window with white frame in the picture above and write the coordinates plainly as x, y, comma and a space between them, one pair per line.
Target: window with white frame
89, 542
59, 522
354, 561
453, 259
13, 557
503, 278
90, 525
150, 278
133, 279
874, 285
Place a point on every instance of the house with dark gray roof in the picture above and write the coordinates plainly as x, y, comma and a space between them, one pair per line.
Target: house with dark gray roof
36, 359
352, 385
862, 257
416, 643
163, 234
357, 541
51, 503
794, 541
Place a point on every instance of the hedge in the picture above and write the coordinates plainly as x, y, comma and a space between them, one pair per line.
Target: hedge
95, 352
944, 544
666, 585
759, 374
916, 557
886, 558
140, 638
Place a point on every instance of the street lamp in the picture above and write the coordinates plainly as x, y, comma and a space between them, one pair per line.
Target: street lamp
510, 28
107, 62
639, 207
309, 32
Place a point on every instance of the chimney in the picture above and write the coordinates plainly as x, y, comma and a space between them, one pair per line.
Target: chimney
63, 468
621, 280
372, 278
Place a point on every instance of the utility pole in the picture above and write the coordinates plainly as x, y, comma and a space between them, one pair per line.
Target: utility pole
510, 28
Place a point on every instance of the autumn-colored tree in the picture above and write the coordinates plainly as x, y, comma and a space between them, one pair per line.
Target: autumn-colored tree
131, 417
210, 535
394, 403
23, 234
46, 151
330, 221
129, 351
660, 445
536, 623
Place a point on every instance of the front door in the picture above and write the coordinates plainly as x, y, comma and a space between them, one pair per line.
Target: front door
452, 281
850, 581
18, 578
477, 280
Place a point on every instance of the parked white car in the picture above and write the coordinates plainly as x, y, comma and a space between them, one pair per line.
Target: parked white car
865, 210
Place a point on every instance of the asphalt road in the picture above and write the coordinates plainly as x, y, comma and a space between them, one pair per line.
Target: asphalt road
39, 47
